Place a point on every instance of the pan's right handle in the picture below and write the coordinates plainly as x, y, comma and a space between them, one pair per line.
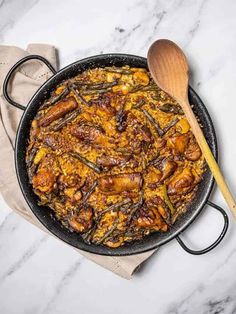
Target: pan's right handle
12, 70
217, 241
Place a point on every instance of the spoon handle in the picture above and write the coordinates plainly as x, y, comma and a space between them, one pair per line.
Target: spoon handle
197, 131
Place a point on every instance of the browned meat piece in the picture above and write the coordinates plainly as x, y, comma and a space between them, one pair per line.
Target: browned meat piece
115, 184
150, 218
153, 177
103, 105
141, 131
183, 183
141, 135
44, 180
121, 119
193, 151
83, 220
56, 141
58, 111
168, 167
186, 144
110, 161
89, 133
179, 142
163, 209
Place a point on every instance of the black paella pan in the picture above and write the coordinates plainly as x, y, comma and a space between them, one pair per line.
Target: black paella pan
45, 214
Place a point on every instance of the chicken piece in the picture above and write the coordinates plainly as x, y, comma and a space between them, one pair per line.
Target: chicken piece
140, 136
168, 167
139, 130
184, 182
142, 139
179, 142
115, 184
83, 220
141, 78
59, 110
153, 178
111, 161
44, 180
162, 207
88, 133
103, 106
193, 151
149, 217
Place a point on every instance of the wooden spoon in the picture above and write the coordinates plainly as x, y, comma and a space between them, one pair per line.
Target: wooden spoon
169, 69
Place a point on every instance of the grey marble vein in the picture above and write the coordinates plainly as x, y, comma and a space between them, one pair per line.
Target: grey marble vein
5, 221
158, 16
17, 8
23, 258
214, 304
196, 23
64, 281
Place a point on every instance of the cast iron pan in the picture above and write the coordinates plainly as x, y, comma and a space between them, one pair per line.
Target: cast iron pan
46, 216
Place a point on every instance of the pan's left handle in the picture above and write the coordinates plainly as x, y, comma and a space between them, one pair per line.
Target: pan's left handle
12, 70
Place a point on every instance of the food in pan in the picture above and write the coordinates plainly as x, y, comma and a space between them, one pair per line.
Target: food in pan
113, 156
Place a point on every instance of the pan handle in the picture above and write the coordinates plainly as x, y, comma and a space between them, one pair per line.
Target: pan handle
12, 70
218, 240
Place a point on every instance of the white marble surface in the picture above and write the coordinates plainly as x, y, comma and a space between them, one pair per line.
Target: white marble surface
38, 274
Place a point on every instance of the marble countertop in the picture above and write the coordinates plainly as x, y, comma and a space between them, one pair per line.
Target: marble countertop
39, 274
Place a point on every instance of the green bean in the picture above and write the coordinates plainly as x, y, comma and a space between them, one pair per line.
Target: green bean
135, 206
30, 157
170, 108
85, 161
156, 161
101, 85
114, 207
139, 104
68, 118
55, 99
170, 125
88, 194
77, 95
167, 200
118, 70
153, 122
95, 91
109, 232
141, 88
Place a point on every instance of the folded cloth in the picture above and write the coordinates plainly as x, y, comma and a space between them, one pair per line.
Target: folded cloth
27, 80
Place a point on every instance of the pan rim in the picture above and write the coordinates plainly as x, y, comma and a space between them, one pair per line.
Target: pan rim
102, 250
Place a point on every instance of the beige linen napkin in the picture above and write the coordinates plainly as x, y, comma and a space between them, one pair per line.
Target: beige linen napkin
27, 80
